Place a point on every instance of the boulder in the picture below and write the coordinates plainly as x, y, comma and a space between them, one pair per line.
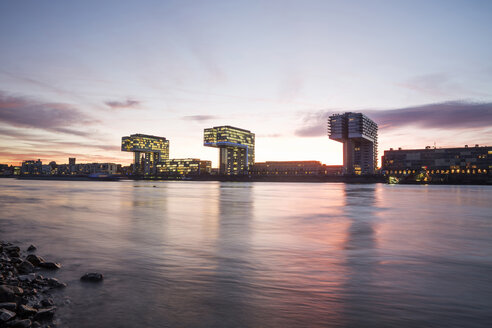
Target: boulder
92, 277
27, 277
11, 306
31, 248
25, 267
48, 302
6, 315
50, 265
26, 323
26, 311
16, 260
45, 314
55, 283
8, 293
12, 251
34, 259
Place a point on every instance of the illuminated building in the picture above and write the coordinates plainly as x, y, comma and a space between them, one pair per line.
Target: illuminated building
294, 168
32, 168
237, 148
71, 165
437, 161
359, 136
183, 167
148, 151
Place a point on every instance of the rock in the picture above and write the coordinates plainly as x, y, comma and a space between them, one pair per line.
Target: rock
7, 294
11, 306
6, 315
16, 260
12, 251
25, 267
54, 283
35, 324
92, 276
31, 248
48, 302
45, 314
34, 259
17, 290
26, 311
50, 265
26, 323
27, 277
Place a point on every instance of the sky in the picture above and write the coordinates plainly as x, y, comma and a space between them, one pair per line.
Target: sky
76, 76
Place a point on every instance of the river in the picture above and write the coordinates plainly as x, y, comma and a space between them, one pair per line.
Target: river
212, 254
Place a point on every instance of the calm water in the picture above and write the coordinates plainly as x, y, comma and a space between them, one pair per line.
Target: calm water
209, 254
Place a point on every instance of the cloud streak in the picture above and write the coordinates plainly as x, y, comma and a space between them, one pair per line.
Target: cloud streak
129, 103
199, 118
54, 117
447, 115
314, 124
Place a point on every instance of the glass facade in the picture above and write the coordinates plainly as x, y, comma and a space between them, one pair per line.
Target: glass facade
294, 168
148, 151
359, 136
237, 148
146, 143
183, 167
437, 161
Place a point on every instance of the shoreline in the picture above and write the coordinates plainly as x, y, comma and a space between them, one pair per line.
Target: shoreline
26, 298
310, 179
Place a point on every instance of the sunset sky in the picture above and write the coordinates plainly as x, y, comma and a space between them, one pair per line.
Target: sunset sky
76, 76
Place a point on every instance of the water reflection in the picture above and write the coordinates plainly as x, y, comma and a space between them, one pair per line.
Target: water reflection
232, 303
361, 255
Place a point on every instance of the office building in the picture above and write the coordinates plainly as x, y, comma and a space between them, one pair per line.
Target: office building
148, 151
237, 148
294, 168
437, 161
359, 136
184, 167
32, 167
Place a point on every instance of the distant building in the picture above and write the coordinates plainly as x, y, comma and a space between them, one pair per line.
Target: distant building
32, 167
294, 168
38, 168
359, 136
106, 168
465, 160
237, 148
148, 151
5, 169
183, 167
71, 165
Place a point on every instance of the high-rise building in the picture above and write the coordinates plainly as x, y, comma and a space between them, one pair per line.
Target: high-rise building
237, 148
148, 151
359, 136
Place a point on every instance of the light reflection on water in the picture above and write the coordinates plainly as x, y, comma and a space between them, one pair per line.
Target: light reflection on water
209, 254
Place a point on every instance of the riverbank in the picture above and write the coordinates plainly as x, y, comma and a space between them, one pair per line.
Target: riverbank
25, 294
448, 180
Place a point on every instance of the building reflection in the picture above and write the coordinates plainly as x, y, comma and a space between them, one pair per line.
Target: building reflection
232, 299
361, 253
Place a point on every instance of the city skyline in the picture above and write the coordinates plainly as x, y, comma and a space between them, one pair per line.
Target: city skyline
75, 77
